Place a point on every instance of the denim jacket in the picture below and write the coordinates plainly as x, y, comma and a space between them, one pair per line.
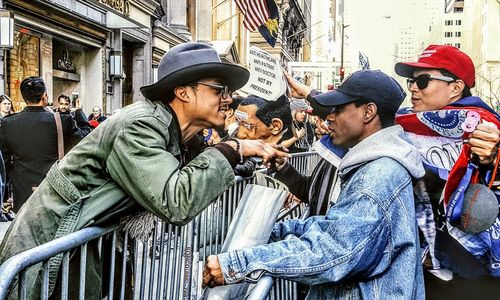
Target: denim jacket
366, 247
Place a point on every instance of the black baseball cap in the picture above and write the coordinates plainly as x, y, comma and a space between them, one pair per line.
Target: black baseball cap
373, 85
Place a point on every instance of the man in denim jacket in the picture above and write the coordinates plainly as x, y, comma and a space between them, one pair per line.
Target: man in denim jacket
366, 247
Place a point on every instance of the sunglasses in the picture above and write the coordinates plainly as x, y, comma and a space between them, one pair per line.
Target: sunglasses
223, 89
422, 81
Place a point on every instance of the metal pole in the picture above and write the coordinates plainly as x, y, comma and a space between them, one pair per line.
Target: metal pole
2, 63
342, 53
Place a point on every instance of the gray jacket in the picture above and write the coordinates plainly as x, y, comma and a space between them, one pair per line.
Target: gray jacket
130, 163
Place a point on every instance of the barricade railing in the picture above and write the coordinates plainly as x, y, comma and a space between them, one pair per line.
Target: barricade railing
169, 265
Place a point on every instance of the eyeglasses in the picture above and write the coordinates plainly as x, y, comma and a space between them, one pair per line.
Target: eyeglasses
422, 81
223, 89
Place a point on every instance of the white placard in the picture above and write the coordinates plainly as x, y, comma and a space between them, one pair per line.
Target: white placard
266, 78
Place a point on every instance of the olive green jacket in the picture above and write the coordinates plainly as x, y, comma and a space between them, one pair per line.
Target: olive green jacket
132, 158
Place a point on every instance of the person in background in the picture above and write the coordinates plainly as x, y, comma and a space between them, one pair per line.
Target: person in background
96, 117
231, 122
300, 137
64, 104
7, 214
262, 119
30, 137
459, 265
6, 107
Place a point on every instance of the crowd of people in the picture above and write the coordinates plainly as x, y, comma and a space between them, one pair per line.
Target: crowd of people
387, 218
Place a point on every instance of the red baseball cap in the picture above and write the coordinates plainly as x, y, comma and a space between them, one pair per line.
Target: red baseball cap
441, 57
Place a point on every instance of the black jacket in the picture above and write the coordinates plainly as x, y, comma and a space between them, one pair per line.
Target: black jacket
30, 137
314, 189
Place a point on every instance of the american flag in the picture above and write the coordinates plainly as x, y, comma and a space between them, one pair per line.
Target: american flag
255, 11
363, 61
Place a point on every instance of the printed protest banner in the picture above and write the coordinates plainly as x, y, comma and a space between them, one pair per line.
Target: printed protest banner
266, 78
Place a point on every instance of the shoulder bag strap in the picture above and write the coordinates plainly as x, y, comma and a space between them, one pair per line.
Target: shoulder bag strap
60, 137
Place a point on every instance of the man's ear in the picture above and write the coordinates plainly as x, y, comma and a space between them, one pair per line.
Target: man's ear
458, 88
276, 126
181, 93
45, 98
369, 112
229, 113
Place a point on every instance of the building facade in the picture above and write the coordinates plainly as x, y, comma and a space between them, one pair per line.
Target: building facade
73, 44
481, 40
76, 45
291, 36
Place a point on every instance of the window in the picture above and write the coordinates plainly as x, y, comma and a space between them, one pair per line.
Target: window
458, 9
448, 34
458, 34
457, 45
458, 22
448, 22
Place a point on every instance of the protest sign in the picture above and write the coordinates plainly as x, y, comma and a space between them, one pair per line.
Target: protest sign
266, 78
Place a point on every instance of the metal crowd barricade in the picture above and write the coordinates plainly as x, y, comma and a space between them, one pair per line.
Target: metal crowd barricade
168, 265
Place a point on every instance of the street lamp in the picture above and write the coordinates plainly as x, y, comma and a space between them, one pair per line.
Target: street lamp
6, 29
342, 70
115, 64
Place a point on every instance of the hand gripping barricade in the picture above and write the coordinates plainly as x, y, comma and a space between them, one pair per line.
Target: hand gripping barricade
166, 266
254, 221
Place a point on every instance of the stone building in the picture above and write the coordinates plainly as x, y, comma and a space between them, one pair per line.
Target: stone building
292, 32
74, 44
71, 43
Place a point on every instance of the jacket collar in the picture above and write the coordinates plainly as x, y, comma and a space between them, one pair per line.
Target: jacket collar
34, 109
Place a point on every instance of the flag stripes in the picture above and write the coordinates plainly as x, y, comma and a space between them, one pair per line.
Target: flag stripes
255, 11
363, 61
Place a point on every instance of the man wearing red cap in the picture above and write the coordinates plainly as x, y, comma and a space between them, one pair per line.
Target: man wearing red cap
440, 83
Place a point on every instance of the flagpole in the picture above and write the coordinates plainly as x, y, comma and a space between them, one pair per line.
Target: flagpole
302, 30
313, 40
227, 19
342, 53
218, 4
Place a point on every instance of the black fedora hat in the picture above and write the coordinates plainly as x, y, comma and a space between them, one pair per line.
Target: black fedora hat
189, 62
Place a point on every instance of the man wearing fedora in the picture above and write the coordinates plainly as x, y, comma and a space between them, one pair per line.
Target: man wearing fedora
140, 160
